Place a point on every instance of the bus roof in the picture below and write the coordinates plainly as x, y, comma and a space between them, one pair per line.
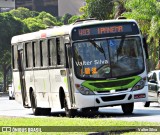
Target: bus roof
61, 30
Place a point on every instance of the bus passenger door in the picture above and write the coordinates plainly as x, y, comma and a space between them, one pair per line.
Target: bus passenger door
69, 74
22, 76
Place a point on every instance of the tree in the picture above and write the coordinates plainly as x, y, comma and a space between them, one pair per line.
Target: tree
34, 24
119, 7
65, 18
147, 13
17, 22
154, 36
48, 19
9, 26
23, 13
28, 17
99, 9
142, 11
73, 19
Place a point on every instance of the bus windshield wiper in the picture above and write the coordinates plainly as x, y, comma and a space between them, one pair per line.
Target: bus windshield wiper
119, 50
98, 47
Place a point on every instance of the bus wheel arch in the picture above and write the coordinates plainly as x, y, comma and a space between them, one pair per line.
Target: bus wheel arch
69, 112
61, 97
30, 92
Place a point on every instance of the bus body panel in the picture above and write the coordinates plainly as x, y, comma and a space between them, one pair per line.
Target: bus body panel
29, 81
57, 81
17, 86
42, 87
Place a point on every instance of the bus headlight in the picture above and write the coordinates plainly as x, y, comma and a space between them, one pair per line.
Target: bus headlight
83, 90
140, 85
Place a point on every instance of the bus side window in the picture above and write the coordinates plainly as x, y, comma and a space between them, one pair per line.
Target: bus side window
41, 56
60, 51
28, 55
37, 54
44, 53
52, 52
14, 57
33, 52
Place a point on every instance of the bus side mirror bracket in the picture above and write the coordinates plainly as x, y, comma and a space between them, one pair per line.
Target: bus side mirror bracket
68, 55
145, 45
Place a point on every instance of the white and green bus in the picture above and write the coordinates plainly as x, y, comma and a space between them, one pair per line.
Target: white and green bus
82, 66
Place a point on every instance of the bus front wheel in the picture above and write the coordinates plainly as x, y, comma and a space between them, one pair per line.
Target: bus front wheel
69, 112
127, 108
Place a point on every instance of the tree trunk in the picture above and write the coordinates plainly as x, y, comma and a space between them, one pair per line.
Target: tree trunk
4, 78
5, 71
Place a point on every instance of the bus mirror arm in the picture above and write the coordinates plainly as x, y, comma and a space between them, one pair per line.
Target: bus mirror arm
68, 54
145, 45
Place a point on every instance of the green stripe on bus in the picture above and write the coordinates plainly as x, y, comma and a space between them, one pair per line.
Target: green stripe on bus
65, 81
107, 85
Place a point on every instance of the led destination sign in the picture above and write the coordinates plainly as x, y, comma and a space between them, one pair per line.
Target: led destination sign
101, 30
104, 30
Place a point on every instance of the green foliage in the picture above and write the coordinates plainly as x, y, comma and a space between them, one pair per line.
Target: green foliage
154, 31
9, 27
44, 15
34, 21
59, 23
23, 13
73, 19
1, 76
48, 20
119, 7
147, 13
65, 18
83, 125
63, 121
34, 24
142, 11
99, 9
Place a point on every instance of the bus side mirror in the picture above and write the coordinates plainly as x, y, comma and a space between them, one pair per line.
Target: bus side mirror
145, 45
152, 81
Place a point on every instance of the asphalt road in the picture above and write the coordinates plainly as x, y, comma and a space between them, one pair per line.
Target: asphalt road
151, 114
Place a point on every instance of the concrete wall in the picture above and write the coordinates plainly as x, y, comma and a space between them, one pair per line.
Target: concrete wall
7, 3
70, 6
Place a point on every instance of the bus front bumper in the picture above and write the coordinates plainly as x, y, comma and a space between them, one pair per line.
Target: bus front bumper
102, 100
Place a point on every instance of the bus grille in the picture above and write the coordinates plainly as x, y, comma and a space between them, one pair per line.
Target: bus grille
112, 84
118, 90
113, 98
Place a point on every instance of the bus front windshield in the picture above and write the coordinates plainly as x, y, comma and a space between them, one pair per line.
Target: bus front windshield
108, 58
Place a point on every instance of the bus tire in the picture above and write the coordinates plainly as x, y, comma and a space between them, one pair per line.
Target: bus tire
127, 108
10, 98
36, 111
146, 104
46, 111
71, 113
